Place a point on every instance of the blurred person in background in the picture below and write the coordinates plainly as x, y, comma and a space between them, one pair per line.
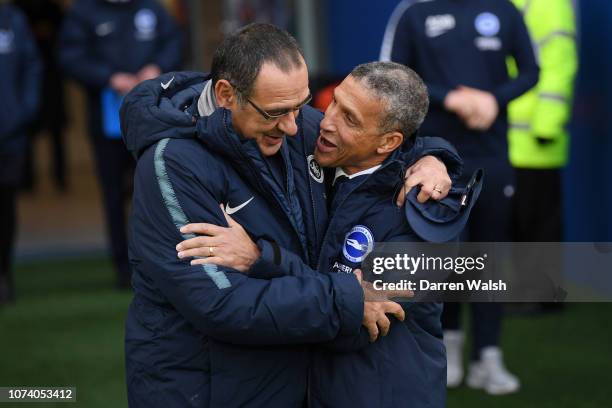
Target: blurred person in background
109, 46
20, 72
45, 17
460, 47
538, 137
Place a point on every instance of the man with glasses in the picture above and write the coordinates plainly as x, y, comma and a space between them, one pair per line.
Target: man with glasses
207, 335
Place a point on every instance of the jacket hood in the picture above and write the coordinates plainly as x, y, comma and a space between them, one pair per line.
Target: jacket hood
160, 108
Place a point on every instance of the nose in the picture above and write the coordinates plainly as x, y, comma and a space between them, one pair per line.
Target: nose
327, 124
287, 125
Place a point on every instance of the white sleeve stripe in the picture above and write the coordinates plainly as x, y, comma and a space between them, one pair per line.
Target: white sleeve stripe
389, 37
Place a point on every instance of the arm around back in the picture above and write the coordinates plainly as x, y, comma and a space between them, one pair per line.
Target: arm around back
221, 302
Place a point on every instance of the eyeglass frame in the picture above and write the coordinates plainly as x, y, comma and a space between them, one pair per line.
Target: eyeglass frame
270, 117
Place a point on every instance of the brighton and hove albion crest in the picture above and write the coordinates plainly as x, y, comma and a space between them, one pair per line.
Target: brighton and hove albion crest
145, 22
487, 24
358, 243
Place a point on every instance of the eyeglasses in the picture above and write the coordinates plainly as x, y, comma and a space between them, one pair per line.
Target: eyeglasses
279, 113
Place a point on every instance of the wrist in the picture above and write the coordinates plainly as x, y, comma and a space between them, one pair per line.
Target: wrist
256, 254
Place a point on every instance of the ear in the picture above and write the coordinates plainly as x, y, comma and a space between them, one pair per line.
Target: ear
389, 142
225, 94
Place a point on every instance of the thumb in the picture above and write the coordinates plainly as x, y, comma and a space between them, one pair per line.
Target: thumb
401, 197
230, 221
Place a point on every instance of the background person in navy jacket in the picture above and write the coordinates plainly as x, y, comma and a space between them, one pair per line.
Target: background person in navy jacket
109, 46
20, 78
460, 48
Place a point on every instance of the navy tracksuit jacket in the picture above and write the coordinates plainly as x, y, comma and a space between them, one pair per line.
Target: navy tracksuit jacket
407, 368
463, 42
98, 39
210, 336
467, 42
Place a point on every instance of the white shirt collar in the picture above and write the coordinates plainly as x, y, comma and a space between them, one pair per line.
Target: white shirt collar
340, 172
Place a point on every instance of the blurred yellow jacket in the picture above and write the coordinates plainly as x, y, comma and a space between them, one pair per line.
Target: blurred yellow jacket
544, 111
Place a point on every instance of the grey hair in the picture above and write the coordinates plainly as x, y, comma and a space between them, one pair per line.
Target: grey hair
401, 90
241, 55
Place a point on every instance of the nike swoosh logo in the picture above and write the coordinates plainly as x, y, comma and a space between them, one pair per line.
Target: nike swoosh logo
167, 84
105, 29
229, 210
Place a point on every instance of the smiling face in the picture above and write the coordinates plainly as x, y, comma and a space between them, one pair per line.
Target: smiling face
274, 92
350, 135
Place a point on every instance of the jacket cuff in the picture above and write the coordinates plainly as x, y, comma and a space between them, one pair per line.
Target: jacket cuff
267, 265
349, 300
501, 98
437, 93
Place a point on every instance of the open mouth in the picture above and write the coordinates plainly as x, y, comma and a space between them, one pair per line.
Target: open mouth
325, 145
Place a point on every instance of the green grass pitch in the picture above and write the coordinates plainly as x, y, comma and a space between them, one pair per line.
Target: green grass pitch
67, 330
